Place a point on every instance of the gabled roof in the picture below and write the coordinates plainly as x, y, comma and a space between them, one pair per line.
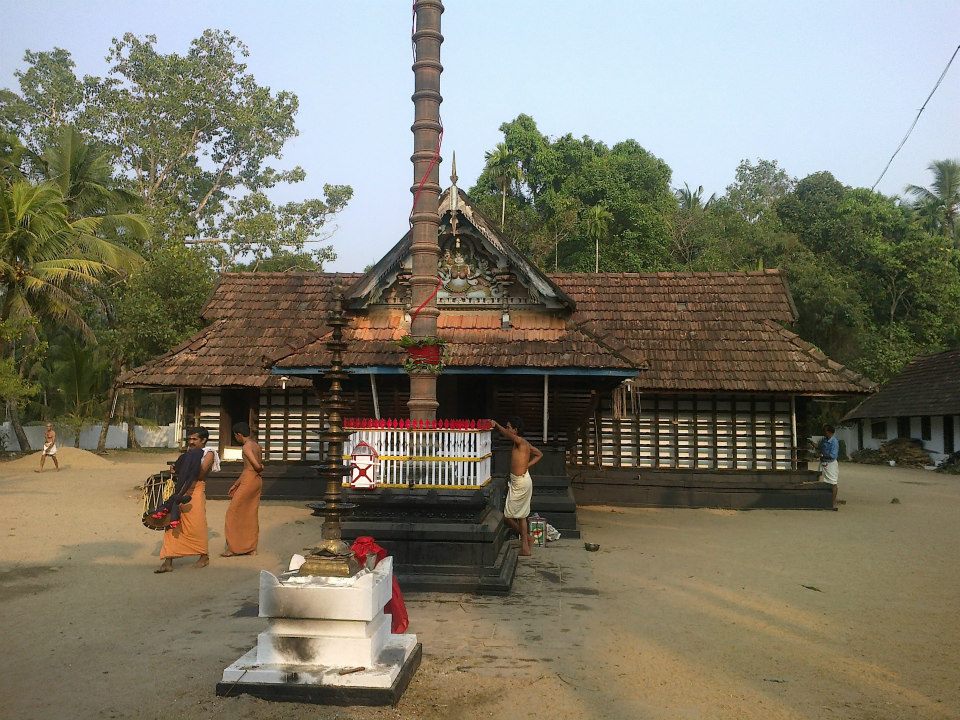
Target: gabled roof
681, 332
684, 332
374, 281
929, 385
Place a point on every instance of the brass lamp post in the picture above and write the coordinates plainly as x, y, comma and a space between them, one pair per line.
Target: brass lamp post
332, 557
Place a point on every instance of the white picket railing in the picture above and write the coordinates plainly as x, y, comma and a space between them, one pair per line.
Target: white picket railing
422, 454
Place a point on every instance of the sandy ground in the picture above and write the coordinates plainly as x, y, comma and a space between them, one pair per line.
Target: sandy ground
682, 613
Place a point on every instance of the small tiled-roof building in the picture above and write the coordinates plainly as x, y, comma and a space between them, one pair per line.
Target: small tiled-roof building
921, 402
663, 370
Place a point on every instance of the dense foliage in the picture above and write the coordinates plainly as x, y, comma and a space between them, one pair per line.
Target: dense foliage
876, 279
122, 197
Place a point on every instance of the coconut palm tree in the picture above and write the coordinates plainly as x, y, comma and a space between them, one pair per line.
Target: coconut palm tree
83, 171
598, 225
504, 169
692, 200
940, 203
45, 257
47, 260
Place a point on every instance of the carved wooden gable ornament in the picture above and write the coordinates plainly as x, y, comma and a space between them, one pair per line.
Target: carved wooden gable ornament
477, 268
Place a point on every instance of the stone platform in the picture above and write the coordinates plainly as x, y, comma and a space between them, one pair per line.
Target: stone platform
328, 642
729, 489
440, 540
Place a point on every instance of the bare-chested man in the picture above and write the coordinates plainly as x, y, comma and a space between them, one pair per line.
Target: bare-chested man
241, 525
520, 487
49, 447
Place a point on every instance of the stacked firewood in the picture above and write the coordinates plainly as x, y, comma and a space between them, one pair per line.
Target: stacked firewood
906, 452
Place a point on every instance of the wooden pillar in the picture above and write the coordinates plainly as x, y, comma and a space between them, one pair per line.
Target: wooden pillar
546, 405
376, 399
178, 424
425, 247
794, 450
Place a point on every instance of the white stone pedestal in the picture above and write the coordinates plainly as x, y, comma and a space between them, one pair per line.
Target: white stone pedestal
328, 642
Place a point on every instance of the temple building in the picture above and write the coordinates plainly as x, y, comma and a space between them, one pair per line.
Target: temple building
664, 371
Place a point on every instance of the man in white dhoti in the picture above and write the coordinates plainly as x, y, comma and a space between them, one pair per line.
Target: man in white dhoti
520, 486
49, 447
829, 464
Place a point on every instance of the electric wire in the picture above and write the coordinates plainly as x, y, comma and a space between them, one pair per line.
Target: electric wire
917, 118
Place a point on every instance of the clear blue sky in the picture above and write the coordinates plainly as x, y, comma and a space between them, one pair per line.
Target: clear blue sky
814, 85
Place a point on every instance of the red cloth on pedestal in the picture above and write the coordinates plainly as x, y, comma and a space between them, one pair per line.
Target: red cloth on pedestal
399, 620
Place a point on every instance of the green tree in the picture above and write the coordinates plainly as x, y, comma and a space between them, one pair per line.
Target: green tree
872, 288
50, 96
14, 389
78, 374
690, 226
757, 188
939, 205
47, 261
155, 309
598, 220
283, 261
193, 135
558, 227
692, 200
567, 175
504, 168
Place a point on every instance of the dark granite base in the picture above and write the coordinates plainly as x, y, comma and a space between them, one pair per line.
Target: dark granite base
729, 489
440, 540
553, 500
328, 694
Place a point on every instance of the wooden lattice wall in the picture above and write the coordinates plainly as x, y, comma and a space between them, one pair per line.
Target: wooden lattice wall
289, 424
692, 432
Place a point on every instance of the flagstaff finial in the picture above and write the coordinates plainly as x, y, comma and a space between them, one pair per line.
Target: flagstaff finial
454, 199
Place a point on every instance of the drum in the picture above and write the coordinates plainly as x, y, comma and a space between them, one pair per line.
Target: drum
156, 490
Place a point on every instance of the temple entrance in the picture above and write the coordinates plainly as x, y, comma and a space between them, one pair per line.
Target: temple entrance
236, 405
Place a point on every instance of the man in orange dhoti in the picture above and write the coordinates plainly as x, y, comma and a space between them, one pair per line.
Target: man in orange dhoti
241, 525
190, 536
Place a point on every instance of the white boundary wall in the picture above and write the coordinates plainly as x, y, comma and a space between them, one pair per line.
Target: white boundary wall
160, 436
935, 445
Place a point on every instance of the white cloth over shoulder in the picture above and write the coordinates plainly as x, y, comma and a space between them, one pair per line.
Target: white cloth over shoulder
830, 471
216, 458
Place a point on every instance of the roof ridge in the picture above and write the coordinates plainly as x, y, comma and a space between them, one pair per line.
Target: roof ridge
818, 355
640, 363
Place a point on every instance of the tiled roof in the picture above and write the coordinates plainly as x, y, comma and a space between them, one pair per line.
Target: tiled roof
254, 317
707, 331
475, 339
929, 385
680, 331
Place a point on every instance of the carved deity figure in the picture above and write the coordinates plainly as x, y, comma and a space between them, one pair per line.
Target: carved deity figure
465, 276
